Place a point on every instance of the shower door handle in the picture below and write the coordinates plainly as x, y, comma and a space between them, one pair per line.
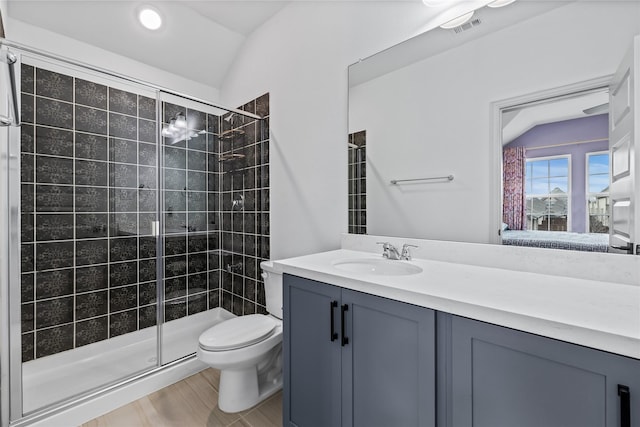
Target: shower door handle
7, 120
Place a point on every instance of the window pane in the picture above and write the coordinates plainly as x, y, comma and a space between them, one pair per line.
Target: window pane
539, 186
599, 205
559, 167
539, 168
599, 164
558, 185
599, 224
558, 224
537, 207
598, 183
558, 206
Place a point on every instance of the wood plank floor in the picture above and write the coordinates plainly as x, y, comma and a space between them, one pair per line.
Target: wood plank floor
192, 402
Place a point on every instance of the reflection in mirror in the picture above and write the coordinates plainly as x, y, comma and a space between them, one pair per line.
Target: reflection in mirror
556, 173
357, 183
431, 107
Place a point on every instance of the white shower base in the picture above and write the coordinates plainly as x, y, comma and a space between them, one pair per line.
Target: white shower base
61, 376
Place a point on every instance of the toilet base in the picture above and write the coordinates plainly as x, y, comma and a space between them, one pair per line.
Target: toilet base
243, 388
239, 389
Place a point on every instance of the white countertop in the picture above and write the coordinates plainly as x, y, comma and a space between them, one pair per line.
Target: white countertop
601, 315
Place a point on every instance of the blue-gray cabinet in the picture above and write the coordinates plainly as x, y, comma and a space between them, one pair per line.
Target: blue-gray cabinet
353, 359
500, 377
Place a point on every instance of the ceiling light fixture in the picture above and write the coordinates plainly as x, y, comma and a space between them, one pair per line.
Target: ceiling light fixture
150, 18
500, 3
181, 121
178, 130
456, 22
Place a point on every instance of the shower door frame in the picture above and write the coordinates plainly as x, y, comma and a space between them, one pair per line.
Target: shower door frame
14, 335
11, 397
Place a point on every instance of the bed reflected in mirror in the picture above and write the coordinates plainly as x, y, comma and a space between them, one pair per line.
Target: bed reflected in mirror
556, 173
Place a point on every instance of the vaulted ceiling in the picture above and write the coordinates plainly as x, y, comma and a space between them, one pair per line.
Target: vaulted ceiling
198, 40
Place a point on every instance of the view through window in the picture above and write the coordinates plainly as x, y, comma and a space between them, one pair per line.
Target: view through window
548, 193
598, 199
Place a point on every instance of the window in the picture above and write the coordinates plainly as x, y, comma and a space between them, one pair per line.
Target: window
598, 199
547, 193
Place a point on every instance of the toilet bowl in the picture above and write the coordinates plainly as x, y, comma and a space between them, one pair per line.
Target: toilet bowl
248, 350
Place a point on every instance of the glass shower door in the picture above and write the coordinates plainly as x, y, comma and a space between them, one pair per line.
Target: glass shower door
189, 199
88, 196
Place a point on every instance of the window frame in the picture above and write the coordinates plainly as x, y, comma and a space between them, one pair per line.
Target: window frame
548, 195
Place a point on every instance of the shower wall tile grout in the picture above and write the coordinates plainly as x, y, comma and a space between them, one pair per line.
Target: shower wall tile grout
89, 193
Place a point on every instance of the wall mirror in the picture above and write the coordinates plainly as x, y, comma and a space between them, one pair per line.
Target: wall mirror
430, 119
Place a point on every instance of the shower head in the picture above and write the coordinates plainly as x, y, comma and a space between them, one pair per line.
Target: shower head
352, 145
229, 117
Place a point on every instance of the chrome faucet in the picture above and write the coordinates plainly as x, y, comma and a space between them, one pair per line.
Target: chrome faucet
391, 252
406, 252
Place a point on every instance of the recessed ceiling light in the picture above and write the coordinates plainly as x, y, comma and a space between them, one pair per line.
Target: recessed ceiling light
500, 3
150, 18
456, 22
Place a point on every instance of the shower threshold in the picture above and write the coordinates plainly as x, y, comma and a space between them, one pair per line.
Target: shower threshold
61, 376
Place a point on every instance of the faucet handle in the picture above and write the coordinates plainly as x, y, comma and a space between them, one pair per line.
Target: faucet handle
385, 248
406, 252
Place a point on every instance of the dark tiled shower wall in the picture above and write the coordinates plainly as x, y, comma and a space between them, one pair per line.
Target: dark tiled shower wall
88, 198
358, 183
191, 193
244, 209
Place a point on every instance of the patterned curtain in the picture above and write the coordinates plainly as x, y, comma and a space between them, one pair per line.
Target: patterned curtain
513, 204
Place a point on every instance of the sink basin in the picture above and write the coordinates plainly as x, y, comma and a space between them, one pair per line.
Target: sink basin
377, 266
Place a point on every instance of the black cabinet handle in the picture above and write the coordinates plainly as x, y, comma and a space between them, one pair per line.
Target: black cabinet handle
625, 405
345, 339
334, 334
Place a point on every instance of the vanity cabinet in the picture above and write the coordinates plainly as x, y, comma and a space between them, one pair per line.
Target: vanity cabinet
354, 359
500, 377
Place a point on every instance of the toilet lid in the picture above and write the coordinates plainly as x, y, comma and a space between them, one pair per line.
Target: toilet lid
237, 332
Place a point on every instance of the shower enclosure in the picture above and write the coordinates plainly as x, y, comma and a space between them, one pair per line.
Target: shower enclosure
137, 219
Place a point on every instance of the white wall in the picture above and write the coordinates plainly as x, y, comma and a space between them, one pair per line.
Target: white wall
433, 118
301, 57
21, 32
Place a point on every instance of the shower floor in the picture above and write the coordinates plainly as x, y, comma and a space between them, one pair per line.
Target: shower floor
61, 376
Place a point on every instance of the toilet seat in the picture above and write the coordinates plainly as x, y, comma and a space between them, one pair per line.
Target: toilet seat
238, 332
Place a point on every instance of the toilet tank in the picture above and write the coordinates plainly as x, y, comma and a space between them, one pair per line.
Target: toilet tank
272, 288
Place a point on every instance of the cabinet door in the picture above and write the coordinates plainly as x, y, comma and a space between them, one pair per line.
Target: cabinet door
312, 360
504, 378
388, 363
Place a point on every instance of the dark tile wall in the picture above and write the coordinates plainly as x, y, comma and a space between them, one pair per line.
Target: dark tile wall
191, 193
88, 271
358, 183
243, 162
88, 198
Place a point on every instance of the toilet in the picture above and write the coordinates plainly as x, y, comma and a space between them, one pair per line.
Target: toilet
248, 350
